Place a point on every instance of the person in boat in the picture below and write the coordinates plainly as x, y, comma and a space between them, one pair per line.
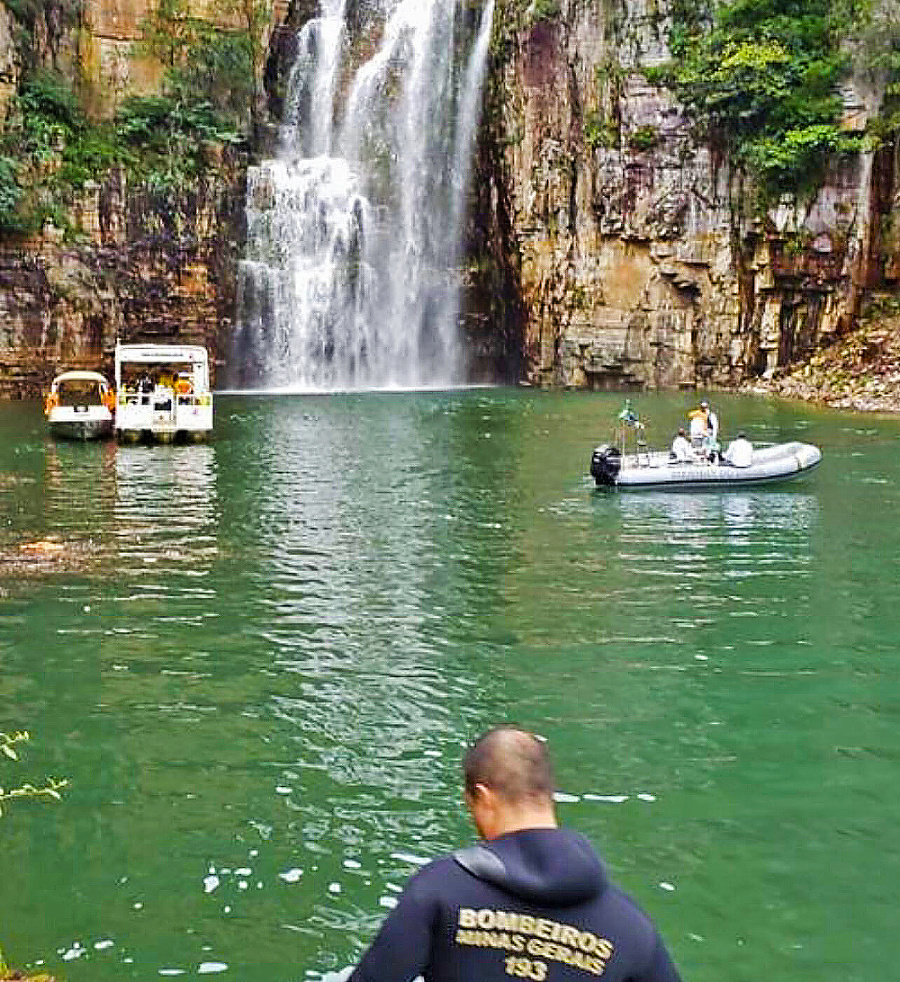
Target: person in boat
712, 422
681, 452
699, 425
739, 452
531, 900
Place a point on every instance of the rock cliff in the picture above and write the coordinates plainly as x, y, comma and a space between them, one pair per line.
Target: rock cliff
147, 266
128, 259
633, 250
608, 244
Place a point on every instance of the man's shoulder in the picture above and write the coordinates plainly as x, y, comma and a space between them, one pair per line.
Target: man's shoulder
434, 874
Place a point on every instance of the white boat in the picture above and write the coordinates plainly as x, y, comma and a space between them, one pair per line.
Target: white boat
654, 469
612, 466
163, 392
80, 406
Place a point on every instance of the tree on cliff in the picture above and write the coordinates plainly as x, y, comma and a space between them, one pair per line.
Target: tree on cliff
763, 78
875, 44
216, 63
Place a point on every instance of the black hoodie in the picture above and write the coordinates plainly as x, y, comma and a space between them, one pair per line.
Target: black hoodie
534, 904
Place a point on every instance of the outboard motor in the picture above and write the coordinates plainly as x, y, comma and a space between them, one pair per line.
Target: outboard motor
605, 464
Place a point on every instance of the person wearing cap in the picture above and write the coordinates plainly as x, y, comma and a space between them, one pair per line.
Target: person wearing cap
739, 452
531, 900
681, 452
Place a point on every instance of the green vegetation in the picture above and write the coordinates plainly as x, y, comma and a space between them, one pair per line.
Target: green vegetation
762, 77
602, 125
643, 138
545, 10
50, 147
599, 132
50, 789
875, 47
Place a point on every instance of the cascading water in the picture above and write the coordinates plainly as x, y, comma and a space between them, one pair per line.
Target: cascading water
354, 230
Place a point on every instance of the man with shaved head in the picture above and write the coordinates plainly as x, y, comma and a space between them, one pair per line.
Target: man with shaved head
530, 901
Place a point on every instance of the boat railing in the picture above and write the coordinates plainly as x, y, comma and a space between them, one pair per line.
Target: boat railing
162, 400
194, 399
641, 449
129, 398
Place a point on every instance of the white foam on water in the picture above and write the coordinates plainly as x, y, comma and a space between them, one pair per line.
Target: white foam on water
243, 871
283, 789
407, 857
352, 864
647, 797
76, 951
611, 799
210, 968
171, 971
339, 976
562, 796
389, 902
210, 883
242, 884
103, 945
666, 886
334, 888
291, 875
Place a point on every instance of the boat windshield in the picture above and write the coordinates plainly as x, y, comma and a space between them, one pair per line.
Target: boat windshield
79, 392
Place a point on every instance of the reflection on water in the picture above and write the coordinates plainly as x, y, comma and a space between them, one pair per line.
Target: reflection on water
703, 514
166, 509
261, 673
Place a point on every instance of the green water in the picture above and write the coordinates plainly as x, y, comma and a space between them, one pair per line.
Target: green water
265, 655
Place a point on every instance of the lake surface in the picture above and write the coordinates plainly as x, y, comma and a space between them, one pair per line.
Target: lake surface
257, 663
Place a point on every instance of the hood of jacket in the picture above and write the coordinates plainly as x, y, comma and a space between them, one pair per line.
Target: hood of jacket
549, 867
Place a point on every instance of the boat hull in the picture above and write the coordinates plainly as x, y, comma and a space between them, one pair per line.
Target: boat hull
655, 471
80, 426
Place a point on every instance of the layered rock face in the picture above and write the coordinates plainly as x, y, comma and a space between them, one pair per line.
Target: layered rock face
152, 267
636, 252
608, 246
137, 264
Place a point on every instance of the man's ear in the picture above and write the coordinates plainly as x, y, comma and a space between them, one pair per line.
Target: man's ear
482, 795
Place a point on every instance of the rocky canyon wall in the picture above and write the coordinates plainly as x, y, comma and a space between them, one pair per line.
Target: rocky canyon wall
148, 266
632, 253
608, 246
136, 261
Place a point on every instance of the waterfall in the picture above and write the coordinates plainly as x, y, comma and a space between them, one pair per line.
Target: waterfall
354, 230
